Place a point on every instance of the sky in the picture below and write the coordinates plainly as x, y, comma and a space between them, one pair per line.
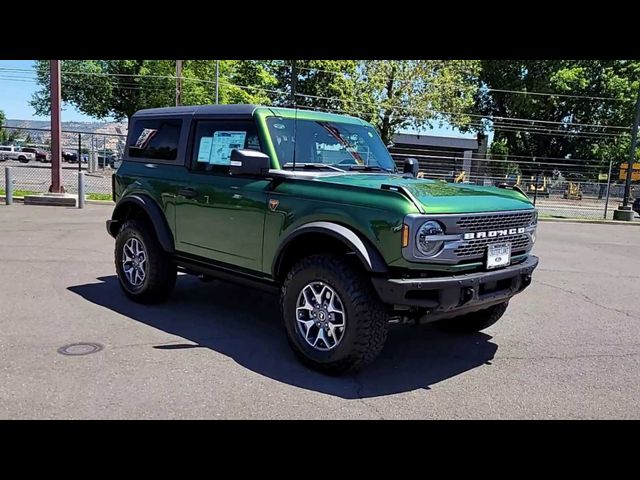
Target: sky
15, 94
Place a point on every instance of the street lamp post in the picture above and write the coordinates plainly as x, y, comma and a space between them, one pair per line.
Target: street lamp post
624, 211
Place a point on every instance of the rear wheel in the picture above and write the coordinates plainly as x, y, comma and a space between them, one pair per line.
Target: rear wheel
145, 271
475, 321
335, 321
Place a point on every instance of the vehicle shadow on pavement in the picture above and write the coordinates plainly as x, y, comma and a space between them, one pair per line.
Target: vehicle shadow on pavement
245, 325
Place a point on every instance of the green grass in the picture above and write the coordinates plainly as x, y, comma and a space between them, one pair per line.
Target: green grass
89, 196
99, 196
19, 193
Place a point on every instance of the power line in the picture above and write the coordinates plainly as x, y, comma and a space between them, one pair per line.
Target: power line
335, 72
488, 117
514, 128
534, 157
500, 90
497, 127
392, 107
587, 97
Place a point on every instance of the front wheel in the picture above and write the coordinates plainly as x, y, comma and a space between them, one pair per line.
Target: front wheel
475, 321
335, 321
145, 271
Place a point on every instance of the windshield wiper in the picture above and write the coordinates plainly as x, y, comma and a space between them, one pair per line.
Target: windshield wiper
335, 132
370, 168
312, 166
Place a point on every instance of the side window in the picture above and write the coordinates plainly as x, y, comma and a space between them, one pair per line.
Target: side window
155, 139
213, 141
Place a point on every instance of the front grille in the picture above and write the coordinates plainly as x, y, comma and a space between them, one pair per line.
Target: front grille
480, 223
478, 246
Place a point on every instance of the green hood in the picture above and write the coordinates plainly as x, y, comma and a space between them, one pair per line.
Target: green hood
440, 197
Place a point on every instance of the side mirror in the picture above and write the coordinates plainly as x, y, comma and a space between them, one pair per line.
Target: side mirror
249, 162
411, 167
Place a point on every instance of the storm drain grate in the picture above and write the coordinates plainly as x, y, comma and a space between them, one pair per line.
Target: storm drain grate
80, 349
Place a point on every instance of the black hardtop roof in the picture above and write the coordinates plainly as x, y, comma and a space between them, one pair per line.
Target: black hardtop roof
239, 109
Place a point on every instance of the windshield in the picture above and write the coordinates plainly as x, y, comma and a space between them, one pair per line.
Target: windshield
343, 145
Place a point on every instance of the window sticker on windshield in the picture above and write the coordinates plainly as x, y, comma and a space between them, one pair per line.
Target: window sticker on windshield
279, 126
204, 151
146, 135
223, 143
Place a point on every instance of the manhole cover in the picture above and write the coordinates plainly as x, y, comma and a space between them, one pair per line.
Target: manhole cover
80, 348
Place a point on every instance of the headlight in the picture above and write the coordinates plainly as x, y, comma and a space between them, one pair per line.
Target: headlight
424, 241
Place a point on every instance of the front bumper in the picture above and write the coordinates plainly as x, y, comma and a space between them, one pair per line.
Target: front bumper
443, 297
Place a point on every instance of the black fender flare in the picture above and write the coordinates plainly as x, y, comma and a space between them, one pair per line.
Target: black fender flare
368, 255
153, 211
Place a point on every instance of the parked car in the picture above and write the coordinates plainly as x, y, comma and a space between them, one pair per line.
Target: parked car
109, 160
349, 243
41, 155
12, 152
70, 157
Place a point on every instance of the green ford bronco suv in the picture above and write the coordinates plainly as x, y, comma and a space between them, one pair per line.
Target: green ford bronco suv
311, 205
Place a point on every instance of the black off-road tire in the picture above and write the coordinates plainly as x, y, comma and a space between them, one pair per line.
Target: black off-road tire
475, 321
366, 316
161, 272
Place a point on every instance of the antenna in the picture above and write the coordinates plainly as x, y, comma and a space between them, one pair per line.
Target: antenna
294, 82
295, 128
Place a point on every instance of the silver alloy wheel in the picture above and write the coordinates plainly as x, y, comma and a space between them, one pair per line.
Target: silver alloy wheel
320, 316
134, 261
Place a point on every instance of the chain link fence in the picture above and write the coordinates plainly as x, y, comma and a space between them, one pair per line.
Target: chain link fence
97, 154
559, 188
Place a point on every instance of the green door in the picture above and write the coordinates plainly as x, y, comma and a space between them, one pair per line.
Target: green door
218, 216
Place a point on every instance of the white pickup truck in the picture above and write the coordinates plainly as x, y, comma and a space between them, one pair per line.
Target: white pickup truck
11, 152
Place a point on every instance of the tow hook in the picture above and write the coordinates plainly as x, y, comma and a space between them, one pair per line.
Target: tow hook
467, 295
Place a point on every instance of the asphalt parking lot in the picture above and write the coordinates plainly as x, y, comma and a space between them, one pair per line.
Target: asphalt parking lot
569, 347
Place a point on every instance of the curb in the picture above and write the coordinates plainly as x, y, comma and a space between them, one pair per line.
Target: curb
594, 222
92, 202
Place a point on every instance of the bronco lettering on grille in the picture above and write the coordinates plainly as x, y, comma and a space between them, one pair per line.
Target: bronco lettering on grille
493, 233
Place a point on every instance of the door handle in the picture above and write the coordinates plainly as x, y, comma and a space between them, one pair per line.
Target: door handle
187, 193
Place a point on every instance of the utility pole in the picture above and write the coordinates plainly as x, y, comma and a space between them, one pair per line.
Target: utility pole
632, 152
179, 82
624, 211
294, 82
56, 127
217, 79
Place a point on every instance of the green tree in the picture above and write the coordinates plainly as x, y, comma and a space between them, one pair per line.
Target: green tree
320, 84
577, 83
418, 93
107, 88
240, 81
2, 131
118, 88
